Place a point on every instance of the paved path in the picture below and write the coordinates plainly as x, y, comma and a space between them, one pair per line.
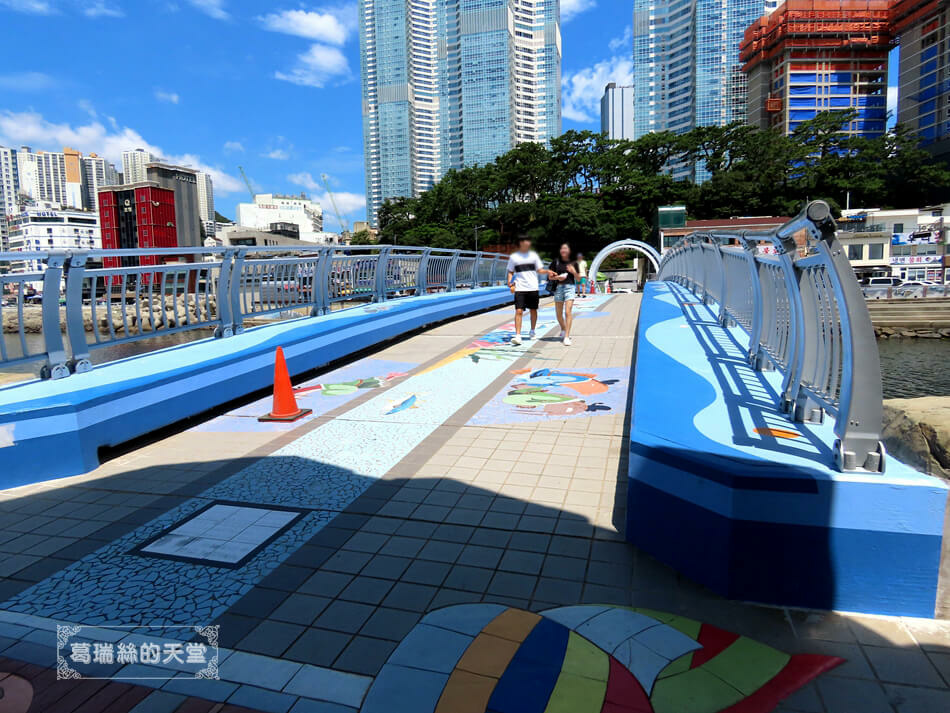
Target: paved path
341, 556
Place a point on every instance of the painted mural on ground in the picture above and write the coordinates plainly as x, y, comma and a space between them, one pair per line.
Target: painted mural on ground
322, 394
583, 659
556, 393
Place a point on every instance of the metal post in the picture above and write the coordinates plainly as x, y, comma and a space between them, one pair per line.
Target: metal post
382, 265
79, 361
236, 283
476, 269
450, 278
55, 367
422, 275
222, 296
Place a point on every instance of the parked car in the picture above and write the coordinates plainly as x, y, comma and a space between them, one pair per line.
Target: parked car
918, 283
885, 282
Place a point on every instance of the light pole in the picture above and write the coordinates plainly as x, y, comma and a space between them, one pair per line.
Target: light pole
477, 228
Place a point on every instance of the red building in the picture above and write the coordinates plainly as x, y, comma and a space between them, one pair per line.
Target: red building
140, 215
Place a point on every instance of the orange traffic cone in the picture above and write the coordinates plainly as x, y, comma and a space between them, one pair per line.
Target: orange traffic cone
285, 403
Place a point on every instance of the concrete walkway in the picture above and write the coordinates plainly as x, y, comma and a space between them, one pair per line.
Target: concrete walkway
340, 556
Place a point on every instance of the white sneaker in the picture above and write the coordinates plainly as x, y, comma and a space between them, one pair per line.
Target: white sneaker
531, 334
567, 341
516, 340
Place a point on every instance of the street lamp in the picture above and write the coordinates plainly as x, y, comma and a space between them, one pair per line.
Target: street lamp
477, 228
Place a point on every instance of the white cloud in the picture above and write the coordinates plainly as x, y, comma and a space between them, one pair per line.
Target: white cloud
100, 8
581, 91
317, 66
30, 128
323, 26
571, 8
625, 41
170, 97
33, 7
233, 147
87, 107
278, 155
348, 203
212, 8
27, 81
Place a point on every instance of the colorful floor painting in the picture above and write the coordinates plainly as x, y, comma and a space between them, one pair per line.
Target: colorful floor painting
556, 393
322, 394
318, 475
488, 658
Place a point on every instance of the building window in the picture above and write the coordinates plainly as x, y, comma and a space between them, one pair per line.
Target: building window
855, 252
898, 227
876, 251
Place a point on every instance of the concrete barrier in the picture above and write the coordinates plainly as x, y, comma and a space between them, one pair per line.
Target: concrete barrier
52, 429
729, 492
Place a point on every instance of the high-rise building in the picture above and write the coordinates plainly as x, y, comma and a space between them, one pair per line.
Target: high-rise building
9, 188
453, 83
270, 210
686, 70
134, 163
616, 112
97, 174
923, 103
42, 177
812, 56
183, 182
206, 203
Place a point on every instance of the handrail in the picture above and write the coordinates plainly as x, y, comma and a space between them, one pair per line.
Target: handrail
90, 299
794, 294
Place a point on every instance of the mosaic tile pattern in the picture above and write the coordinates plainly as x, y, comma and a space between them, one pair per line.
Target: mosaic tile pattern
583, 659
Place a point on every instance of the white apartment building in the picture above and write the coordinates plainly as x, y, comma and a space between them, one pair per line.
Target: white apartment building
134, 163
616, 112
268, 209
97, 173
64, 177
48, 226
206, 203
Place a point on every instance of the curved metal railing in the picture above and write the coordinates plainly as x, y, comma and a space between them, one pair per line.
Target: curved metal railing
795, 295
55, 307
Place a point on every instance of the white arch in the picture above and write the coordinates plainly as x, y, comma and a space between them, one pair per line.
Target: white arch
647, 250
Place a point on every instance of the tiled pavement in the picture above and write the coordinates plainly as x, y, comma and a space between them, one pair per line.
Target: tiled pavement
525, 513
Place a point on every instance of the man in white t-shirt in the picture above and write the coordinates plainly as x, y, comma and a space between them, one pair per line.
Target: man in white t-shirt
524, 267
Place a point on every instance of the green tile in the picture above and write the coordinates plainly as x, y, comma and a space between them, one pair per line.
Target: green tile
747, 665
582, 658
678, 666
576, 694
695, 691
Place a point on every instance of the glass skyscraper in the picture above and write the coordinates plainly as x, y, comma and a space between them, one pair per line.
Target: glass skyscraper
686, 69
453, 83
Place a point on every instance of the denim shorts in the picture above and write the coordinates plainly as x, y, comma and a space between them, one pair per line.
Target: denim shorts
565, 292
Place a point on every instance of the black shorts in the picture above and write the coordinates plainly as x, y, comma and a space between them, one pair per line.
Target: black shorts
527, 300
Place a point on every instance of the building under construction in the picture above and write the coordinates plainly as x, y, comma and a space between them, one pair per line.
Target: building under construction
810, 56
921, 28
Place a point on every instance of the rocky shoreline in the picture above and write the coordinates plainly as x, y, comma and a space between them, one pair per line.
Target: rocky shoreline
917, 432
911, 333
169, 312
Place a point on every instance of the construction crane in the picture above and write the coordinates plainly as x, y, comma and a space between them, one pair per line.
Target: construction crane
344, 227
247, 182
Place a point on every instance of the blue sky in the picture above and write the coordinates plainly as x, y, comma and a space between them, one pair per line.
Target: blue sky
221, 83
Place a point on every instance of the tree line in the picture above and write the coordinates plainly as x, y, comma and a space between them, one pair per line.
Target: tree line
590, 190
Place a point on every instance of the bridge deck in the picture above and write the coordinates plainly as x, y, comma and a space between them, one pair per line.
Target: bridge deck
446, 469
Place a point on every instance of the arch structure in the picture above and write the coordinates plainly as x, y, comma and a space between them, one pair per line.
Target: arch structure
647, 250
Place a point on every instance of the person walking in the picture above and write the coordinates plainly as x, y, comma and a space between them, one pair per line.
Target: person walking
582, 272
524, 267
566, 274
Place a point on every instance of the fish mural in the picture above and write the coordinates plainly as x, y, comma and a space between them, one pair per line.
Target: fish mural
348, 387
407, 403
583, 659
557, 393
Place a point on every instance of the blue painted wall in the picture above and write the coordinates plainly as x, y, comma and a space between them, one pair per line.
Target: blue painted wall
759, 519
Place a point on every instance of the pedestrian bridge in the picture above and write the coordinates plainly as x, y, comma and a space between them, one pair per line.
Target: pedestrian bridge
750, 402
